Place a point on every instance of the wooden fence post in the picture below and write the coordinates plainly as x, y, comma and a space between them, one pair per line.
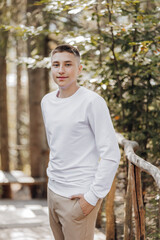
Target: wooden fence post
138, 204
110, 223
128, 233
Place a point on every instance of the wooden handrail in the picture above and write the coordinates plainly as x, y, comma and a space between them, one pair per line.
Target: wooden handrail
129, 147
134, 188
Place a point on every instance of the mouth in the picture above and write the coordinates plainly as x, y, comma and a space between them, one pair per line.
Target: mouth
61, 78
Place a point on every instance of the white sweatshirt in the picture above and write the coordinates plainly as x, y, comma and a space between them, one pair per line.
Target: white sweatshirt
80, 133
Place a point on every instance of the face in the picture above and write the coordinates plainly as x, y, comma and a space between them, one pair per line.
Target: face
65, 69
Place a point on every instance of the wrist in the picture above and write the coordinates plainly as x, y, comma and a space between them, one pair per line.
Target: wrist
91, 198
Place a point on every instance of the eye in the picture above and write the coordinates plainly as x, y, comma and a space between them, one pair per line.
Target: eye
68, 64
55, 65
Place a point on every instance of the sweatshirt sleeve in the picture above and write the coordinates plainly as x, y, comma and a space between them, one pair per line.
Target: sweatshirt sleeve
44, 120
42, 110
100, 122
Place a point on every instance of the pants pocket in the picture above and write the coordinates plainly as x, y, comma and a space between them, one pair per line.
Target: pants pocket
77, 212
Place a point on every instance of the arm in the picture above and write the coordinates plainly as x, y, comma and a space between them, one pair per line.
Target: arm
44, 119
106, 142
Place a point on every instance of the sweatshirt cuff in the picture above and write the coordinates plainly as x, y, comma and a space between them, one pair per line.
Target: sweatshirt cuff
91, 198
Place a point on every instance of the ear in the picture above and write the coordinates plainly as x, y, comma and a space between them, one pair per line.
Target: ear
80, 68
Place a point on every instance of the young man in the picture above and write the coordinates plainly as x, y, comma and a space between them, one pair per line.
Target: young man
79, 131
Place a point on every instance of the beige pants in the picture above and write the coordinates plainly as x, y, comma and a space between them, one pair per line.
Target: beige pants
67, 220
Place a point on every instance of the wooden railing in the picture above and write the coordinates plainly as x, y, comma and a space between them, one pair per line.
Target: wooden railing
134, 189
129, 147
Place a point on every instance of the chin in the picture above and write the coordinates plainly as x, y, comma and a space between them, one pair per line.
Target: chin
61, 85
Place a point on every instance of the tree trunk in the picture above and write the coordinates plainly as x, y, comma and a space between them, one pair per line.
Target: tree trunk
110, 224
3, 104
46, 77
18, 16
36, 76
37, 136
19, 102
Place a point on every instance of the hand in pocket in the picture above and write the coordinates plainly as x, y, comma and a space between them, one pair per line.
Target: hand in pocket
85, 206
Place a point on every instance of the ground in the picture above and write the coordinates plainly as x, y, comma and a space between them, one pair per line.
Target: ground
27, 220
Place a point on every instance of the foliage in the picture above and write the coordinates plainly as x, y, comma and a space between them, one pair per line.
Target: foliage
119, 43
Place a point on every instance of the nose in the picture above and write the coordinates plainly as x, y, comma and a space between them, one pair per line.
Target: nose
61, 69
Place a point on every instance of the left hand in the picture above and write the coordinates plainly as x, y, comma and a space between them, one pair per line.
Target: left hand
85, 206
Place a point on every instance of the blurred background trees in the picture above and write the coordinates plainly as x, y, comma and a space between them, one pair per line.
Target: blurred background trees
119, 42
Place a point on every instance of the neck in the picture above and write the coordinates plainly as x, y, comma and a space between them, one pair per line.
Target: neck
67, 92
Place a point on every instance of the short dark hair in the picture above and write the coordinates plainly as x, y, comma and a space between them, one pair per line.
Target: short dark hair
66, 48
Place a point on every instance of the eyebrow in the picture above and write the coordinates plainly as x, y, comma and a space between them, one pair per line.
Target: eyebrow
64, 61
